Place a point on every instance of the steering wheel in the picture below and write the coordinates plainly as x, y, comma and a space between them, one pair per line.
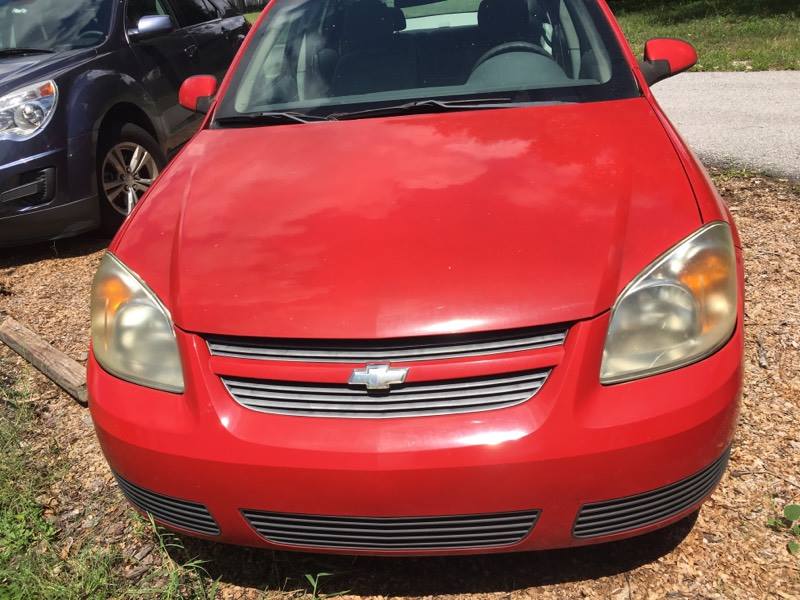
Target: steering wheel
93, 34
507, 47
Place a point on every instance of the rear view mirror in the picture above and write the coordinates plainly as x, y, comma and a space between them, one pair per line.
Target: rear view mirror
151, 26
665, 57
197, 93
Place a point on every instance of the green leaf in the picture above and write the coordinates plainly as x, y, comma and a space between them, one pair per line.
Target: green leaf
792, 512
793, 548
775, 524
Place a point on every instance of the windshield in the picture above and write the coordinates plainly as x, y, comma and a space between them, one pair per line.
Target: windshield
333, 56
53, 25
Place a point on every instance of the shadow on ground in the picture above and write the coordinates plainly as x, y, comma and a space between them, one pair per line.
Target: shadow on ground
370, 576
67, 248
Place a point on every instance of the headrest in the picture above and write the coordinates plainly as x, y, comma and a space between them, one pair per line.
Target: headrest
398, 18
504, 19
367, 20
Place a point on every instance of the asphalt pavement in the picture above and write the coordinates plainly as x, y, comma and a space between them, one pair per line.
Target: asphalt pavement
744, 120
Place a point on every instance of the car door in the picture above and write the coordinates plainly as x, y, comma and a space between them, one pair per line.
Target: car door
214, 33
234, 28
165, 60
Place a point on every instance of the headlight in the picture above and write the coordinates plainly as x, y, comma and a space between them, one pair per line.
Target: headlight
681, 309
27, 111
132, 333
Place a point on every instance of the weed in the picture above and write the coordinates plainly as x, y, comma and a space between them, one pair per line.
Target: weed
315, 581
30, 564
788, 523
172, 580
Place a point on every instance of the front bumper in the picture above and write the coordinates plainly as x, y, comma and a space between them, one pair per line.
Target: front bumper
575, 443
66, 206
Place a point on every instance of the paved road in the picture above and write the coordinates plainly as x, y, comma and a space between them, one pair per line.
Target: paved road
749, 120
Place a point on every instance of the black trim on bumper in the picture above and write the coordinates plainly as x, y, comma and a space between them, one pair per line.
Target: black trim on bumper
181, 514
33, 188
626, 514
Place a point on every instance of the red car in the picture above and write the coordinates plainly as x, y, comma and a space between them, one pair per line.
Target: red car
435, 276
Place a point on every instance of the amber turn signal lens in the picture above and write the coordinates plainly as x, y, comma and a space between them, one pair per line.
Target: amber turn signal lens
47, 89
132, 333
681, 309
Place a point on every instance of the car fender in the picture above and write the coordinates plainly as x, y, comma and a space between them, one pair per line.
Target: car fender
97, 91
709, 203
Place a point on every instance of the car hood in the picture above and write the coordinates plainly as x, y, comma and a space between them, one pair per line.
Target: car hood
18, 71
405, 226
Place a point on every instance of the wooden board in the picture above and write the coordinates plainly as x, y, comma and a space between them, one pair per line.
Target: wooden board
66, 373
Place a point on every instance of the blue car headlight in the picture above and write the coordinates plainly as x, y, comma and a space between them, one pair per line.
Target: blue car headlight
27, 111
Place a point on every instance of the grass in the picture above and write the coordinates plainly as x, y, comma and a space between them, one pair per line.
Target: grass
32, 563
187, 580
35, 563
730, 35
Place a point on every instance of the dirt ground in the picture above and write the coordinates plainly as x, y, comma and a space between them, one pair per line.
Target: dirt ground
729, 552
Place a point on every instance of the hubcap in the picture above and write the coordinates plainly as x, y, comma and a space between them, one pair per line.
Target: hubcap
128, 172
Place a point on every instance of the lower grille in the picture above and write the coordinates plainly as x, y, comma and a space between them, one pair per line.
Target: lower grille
617, 516
189, 516
412, 533
413, 399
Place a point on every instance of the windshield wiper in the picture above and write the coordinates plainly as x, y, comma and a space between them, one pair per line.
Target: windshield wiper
427, 106
268, 118
22, 51
409, 108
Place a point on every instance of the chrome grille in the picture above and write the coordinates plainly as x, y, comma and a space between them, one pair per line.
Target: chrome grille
625, 514
409, 400
182, 514
397, 350
411, 533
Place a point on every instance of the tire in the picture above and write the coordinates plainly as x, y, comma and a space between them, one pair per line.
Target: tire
128, 161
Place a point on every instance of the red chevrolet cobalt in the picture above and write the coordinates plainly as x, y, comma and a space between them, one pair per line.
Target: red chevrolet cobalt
435, 276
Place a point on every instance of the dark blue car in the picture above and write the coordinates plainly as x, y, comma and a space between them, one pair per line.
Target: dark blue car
88, 104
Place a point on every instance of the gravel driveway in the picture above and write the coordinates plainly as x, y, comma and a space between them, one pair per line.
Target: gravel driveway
749, 120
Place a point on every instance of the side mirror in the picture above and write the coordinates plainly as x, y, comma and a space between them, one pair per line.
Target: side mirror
197, 93
665, 57
151, 26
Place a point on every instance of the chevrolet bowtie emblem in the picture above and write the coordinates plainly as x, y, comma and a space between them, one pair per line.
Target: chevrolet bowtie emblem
378, 377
